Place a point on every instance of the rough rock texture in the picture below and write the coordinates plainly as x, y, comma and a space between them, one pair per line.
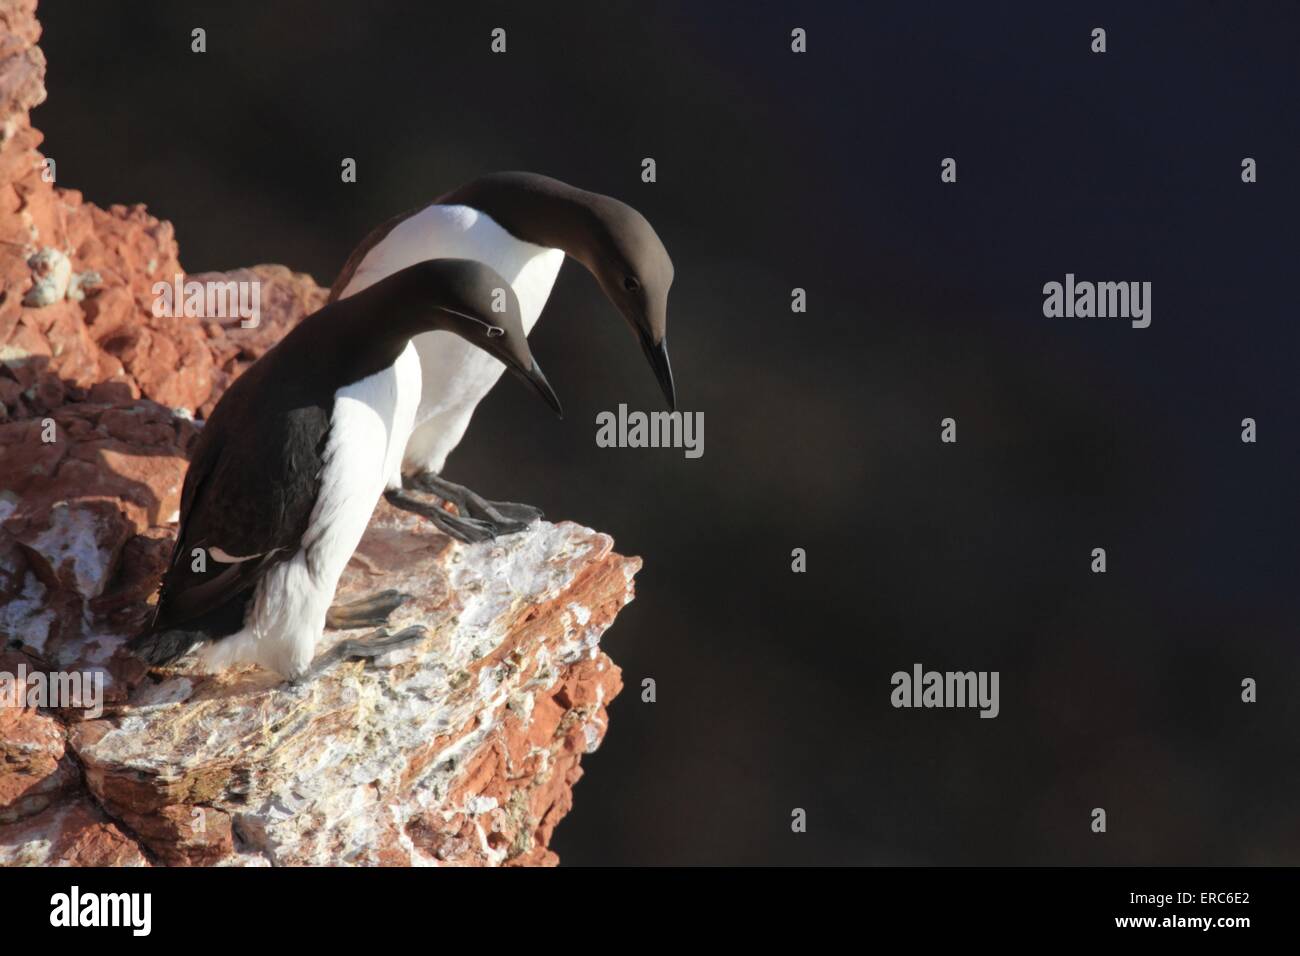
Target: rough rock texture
461, 750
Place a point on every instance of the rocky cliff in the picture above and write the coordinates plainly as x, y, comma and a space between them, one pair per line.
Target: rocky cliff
461, 750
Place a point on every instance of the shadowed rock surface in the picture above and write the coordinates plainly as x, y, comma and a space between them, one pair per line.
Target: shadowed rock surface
461, 750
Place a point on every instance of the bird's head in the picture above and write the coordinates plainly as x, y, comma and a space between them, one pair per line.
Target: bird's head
634, 271
473, 301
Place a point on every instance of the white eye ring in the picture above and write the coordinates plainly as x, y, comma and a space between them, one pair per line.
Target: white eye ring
492, 330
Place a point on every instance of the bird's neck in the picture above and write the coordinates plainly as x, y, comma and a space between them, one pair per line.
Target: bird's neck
543, 212
387, 315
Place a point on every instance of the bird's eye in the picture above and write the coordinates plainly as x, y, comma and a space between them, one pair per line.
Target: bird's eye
630, 283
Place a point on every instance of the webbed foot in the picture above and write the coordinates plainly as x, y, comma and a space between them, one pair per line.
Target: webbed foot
506, 516
373, 645
372, 611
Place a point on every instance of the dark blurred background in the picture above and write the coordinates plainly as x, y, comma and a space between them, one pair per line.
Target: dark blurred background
821, 171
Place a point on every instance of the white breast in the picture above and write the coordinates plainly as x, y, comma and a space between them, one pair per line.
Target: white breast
369, 425
456, 375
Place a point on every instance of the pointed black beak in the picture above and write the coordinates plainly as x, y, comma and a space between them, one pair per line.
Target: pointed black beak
657, 356
537, 380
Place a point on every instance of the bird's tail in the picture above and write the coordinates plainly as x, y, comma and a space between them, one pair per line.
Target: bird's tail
160, 648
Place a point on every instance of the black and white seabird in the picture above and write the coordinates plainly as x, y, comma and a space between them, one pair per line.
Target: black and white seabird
522, 225
288, 468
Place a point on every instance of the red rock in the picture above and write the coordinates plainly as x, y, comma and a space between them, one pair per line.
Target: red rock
71, 833
34, 771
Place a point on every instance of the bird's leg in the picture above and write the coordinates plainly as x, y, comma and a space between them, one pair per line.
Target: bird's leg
373, 645
372, 611
507, 515
460, 528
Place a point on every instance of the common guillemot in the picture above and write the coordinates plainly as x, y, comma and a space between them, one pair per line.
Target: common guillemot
522, 225
289, 467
